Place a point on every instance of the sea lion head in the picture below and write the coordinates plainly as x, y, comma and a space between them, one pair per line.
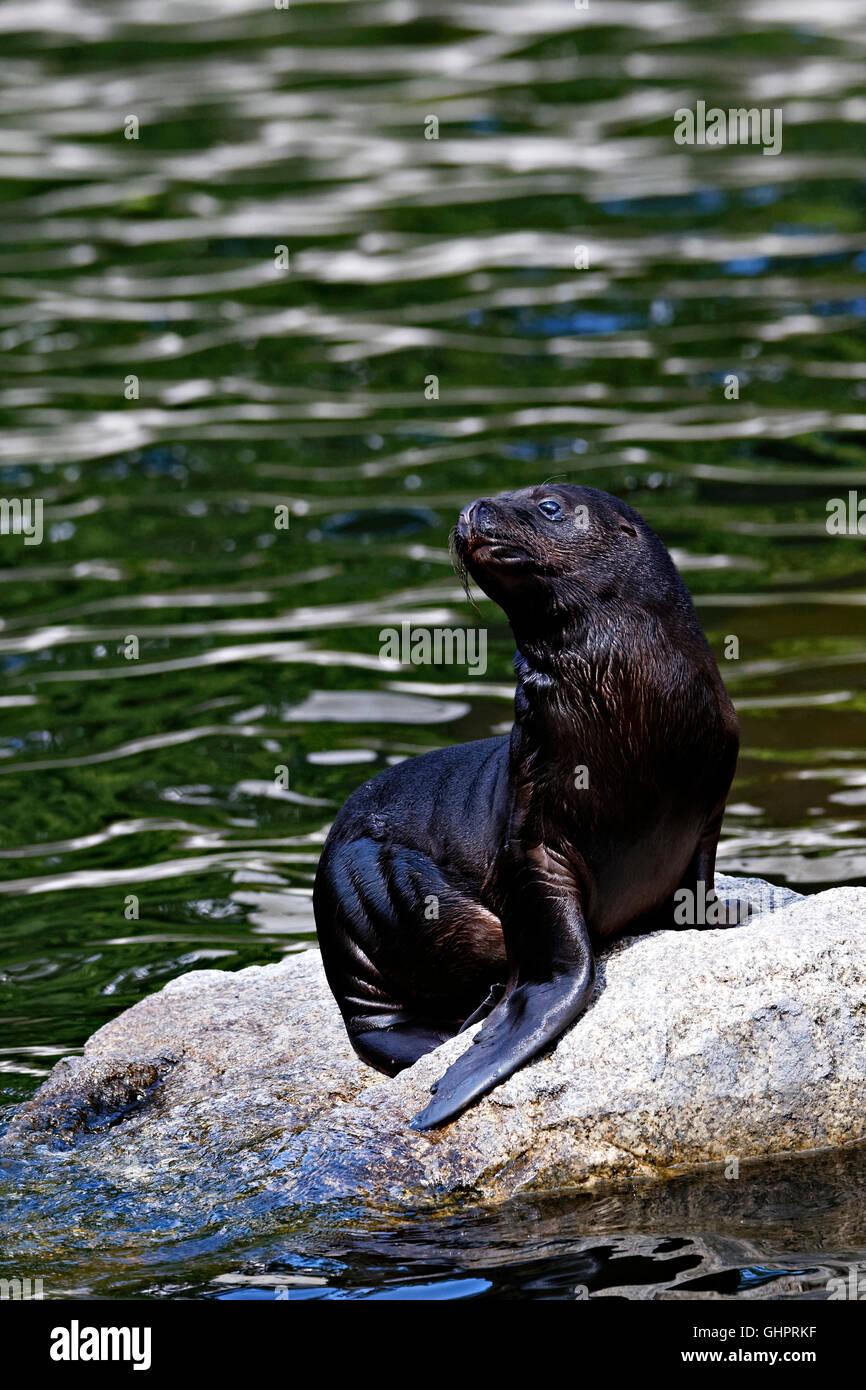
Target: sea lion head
562, 549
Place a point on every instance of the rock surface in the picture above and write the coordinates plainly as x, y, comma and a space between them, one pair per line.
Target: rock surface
700, 1046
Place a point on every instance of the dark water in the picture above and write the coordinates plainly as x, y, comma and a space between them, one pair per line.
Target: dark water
152, 778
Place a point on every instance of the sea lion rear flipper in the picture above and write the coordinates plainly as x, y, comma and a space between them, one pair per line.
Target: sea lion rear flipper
530, 1018
552, 977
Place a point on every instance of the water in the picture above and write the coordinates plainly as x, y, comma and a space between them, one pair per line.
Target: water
146, 784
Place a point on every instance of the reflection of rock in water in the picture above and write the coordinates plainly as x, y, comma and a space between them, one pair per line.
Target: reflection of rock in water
720, 1269
782, 1230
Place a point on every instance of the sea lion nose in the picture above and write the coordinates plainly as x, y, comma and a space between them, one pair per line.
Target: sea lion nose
480, 515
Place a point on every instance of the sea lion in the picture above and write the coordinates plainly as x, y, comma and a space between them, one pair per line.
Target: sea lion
474, 882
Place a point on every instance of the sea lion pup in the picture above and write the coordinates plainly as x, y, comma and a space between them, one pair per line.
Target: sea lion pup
474, 882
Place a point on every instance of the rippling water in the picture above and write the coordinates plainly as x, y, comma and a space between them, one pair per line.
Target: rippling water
169, 382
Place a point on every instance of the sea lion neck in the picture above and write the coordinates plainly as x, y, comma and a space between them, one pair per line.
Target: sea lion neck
557, 643
604, 661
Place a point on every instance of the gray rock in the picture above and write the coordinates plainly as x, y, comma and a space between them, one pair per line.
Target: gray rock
700, 1047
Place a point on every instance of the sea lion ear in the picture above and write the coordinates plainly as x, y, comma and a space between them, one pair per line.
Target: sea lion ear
627, 527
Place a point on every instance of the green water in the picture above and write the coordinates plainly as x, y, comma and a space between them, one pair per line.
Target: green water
145, 785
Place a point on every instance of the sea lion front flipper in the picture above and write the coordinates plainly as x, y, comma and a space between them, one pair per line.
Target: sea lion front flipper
699, 882
530, 1018
552, 973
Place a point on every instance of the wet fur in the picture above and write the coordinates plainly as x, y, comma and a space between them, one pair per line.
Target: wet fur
528, 873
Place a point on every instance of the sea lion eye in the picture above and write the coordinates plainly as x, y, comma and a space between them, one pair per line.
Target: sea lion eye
550, 506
